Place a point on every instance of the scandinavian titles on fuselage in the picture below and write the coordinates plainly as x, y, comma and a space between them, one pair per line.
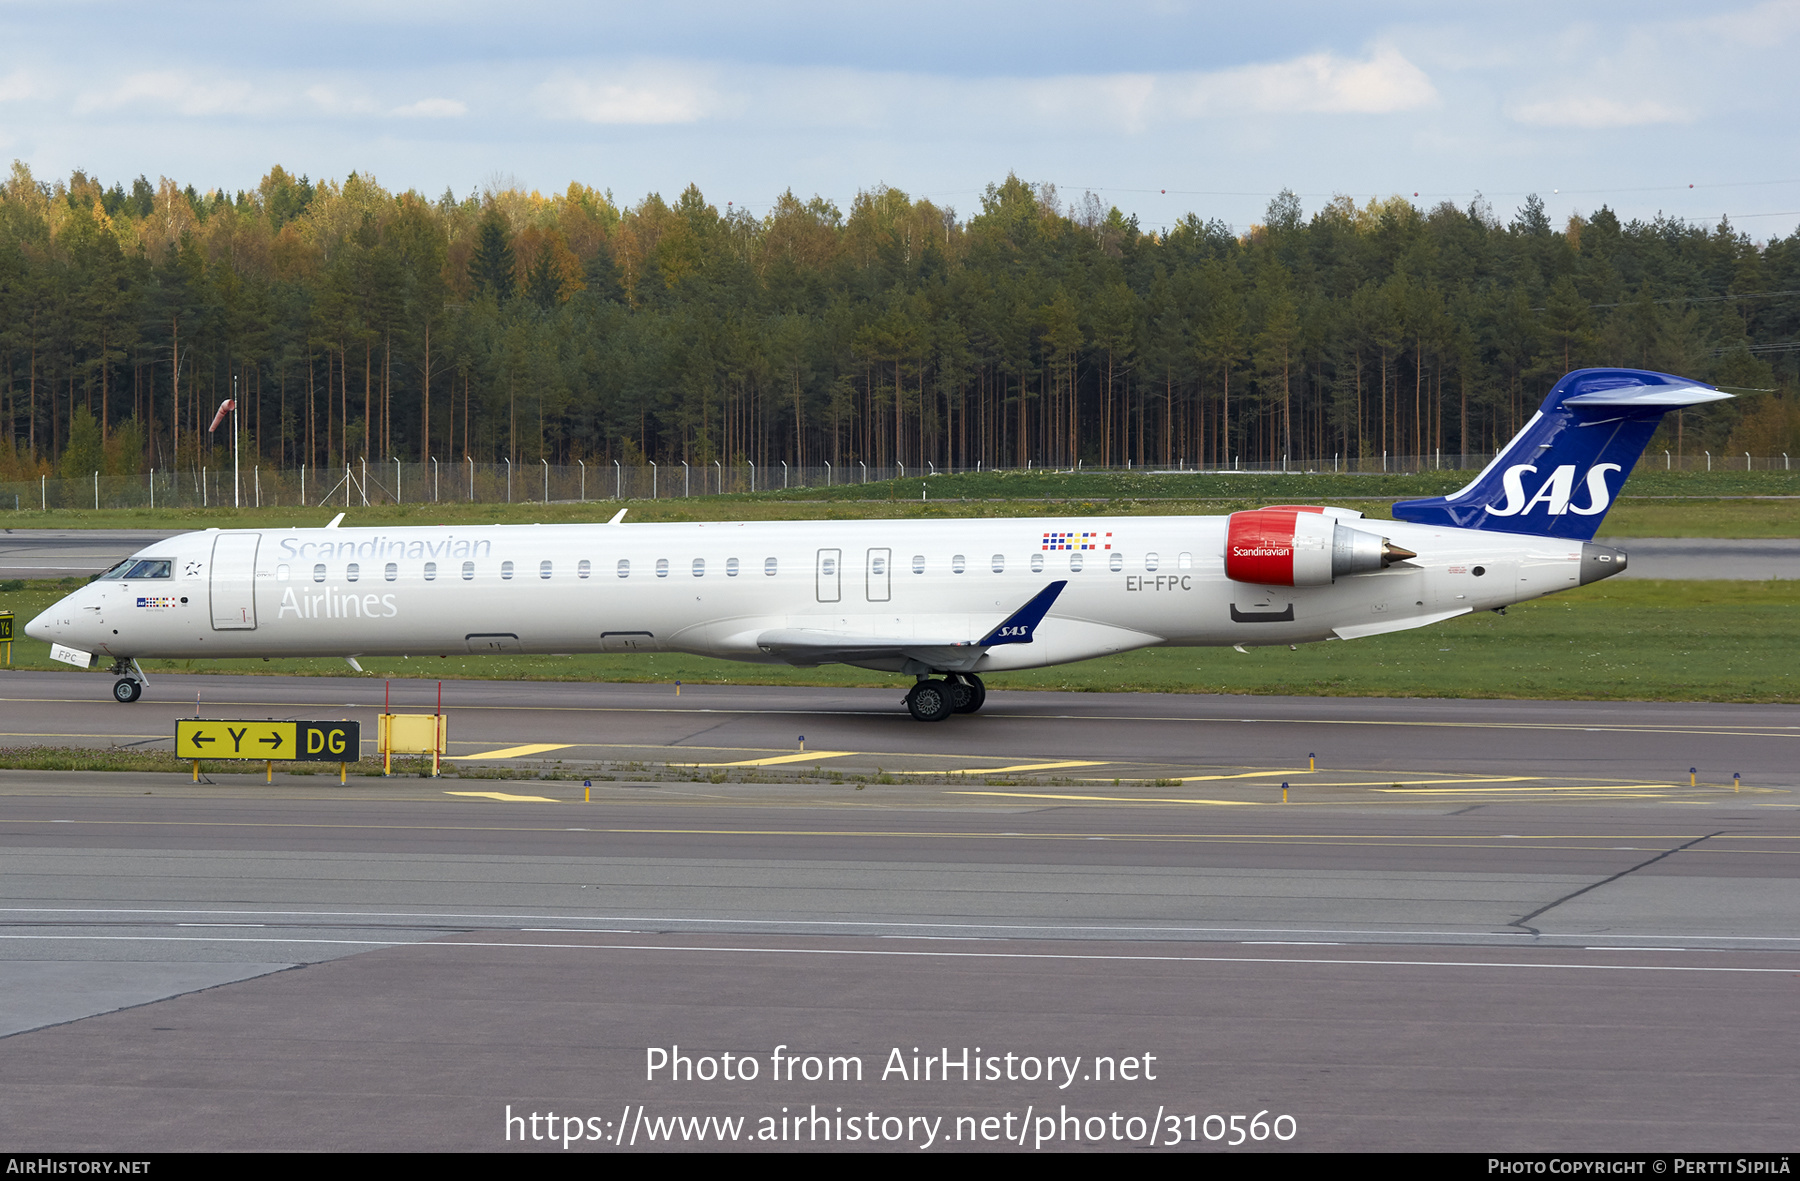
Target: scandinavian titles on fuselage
381, 546
329, 604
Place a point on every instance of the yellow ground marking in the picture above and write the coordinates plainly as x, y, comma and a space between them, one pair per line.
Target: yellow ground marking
802, 757
1462, 791
503, 797
1248, 775
1404, 782
1005, 770
516, 752
1029, 795
1017, 767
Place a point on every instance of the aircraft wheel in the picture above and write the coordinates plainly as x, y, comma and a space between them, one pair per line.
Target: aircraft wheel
970, 693
931, 701
126, 690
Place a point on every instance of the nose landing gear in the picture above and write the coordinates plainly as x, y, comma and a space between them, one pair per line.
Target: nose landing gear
130, 685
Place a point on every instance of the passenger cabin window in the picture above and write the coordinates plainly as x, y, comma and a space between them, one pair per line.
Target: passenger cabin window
281, 574
699, 567
1185, 561
583, 568
506, 570
828, 566
999, 563
1116, 563
1037, 563
391, 572
878, 566
544, 569
956, 564
918, 563
731, 567
1150, 561
769, 567
319, 572
1075, 561
431, 572
352, 572
468, 571
662, 567
624, 567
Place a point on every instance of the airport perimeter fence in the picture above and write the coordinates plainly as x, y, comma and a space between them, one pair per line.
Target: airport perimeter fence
371, 482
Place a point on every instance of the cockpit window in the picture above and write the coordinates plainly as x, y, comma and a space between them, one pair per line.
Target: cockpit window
119, 570
146, 568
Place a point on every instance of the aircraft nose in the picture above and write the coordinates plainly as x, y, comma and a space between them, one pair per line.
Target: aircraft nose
43, 627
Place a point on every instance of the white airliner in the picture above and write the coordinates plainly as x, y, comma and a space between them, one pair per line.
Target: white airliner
941, 601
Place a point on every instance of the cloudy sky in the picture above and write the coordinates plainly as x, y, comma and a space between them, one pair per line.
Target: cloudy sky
1160, 107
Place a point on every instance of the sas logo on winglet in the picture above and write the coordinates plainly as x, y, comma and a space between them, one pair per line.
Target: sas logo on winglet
1554, 492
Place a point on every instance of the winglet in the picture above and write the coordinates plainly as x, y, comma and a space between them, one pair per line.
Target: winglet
335, 521
617, 517
1018, 627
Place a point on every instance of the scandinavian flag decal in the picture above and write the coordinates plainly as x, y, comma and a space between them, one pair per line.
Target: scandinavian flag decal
1061, 541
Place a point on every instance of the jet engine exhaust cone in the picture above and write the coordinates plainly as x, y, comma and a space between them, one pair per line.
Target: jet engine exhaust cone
1391, 553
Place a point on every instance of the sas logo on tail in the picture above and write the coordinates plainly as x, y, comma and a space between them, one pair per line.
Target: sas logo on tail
1554, 492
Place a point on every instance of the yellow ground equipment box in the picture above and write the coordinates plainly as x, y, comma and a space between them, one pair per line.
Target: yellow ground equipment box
412, 734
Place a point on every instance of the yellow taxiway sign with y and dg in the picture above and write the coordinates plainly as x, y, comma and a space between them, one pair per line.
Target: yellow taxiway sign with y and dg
320, 742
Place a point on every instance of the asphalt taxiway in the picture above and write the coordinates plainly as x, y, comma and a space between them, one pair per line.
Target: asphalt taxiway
1493, 925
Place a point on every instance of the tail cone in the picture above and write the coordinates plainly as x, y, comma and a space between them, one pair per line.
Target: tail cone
1391, 553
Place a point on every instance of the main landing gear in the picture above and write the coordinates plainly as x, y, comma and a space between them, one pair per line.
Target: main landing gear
933, 699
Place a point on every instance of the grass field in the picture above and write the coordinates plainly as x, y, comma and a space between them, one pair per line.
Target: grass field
1672, 504
1642, 640
1703, 517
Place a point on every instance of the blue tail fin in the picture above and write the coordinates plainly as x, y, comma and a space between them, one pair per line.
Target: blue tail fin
1560, 473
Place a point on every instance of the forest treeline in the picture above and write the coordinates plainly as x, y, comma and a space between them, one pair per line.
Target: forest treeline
354, 322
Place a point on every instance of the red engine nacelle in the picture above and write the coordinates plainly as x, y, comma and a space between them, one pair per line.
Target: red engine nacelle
1294, 546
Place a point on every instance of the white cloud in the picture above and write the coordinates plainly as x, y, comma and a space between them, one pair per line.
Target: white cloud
1597, 112
627, 101
1318, 83
176, 91
432, 108
18, 86
335, 101
1760, 27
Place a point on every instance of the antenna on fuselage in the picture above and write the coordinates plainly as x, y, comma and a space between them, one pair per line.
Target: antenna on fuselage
618, 517
335, 521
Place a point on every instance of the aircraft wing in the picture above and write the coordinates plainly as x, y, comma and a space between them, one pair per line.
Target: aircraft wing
813, 646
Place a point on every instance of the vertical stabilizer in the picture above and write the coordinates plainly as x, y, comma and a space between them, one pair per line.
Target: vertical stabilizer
1560, 473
